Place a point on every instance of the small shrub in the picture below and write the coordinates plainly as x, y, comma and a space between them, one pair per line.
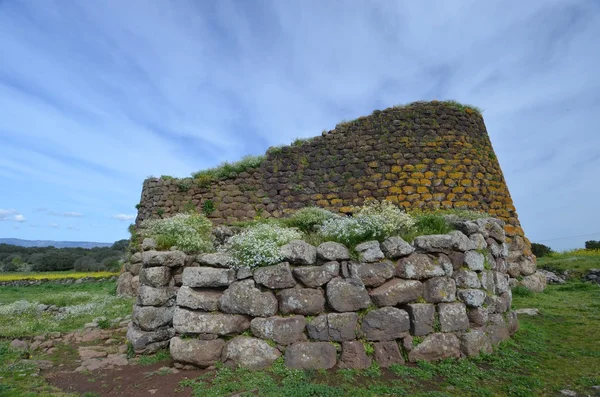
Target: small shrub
522, 291
104, 323
184, 185
309, 218
204, 180
160, 211
189, 207
138, 206
259, 245
208, 207
229, 170
189, 232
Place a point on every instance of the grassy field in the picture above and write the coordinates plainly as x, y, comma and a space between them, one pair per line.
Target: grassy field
576, 262
20, 314
54, 275
559, 349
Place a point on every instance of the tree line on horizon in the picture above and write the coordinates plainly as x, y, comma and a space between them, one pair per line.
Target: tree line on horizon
15, 258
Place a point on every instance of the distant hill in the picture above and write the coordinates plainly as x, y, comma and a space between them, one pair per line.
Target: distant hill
48, 243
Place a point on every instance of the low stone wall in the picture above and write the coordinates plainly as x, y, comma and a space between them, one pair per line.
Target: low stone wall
443, 296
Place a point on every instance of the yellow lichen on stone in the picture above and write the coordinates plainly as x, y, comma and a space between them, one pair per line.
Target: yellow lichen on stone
429, 175
392, 199
439, 196
336, 202
451, 196
417, 175
323, 203
413, 197
426, 182
385, 183
396, 169
458, 189
346, 209
317, 196
421, 167
426, 197
422, 189
413, 181
466, 182
408, 167
395, 190
405, 204
441, 174
449, 182
440, 161
456, 175
373, 164
408, 189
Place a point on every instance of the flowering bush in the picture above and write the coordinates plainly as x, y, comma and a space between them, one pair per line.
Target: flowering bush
259, 245
373, 221
189, 232
308, 218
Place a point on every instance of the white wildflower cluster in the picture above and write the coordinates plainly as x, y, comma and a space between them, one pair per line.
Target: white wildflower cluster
20, 307
373, 221
259, 245
87, 308
189, 232
308, 218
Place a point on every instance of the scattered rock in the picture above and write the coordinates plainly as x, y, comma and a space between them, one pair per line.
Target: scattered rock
528, 311
17, 344
552, 278
535, 282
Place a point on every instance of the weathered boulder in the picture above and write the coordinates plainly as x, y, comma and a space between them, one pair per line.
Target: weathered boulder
135, 285
395, 247
150, 318
192, 322
472, 297
275, 277
446, 243
305, 301
435, 347
135, 258
311, 355
384, 324
145, 341
439, 289
422, 318
418, 267
316, 276
282, 330
478, 316
397, 291
242, 297
299, 252
372, 274
148, 244
17, 344
478, 241
155, 276
453, 317
247, 352
354, 356
203, 299
163, 258
214, 259
332, 251
527, 267
150, 296
135, 268
347, 295
200, 353
124, 285
535, 282
369, 251
491, 227
474, 260
474, 342
337, 327
466, 279
387, 353
243, 273
207, 277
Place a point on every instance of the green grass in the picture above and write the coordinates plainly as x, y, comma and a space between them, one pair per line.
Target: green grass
228, 170
86, 301
576, 262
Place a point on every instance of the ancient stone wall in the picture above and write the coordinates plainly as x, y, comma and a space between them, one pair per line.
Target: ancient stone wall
426, 155
441, 296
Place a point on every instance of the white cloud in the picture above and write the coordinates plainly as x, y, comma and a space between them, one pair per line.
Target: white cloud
123, 217
11, 215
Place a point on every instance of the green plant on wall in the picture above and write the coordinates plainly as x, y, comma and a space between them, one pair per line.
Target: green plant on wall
189, 207
160, 212
184, 185
208, 207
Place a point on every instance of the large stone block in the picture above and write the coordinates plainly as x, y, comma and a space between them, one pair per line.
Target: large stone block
471, 297
311, 355
150, 318
445, 243
163, 258
298, 252
347, 295
419, 267
282, 330
474, 342
474, 260
369, 251
438, 346
422, 318
207, 277
242, 297
501, 282
150, 296
372, 274
466, 279
337, 327
332, 251
395, 247
247, 352
159, 276
387, 323
487, 282
124, 287
354, 356
203, 299
305, 301
143, 341
535, 282
275, 277
439, 289
316, 276
193, 322
397, 291
478, 316
453, 317
200, 353
387, 353
214, 259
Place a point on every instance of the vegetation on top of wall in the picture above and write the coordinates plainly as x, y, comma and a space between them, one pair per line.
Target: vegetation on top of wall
188, 232
463, 107
228, 170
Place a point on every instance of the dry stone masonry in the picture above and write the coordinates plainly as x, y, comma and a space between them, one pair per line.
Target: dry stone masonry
442, 296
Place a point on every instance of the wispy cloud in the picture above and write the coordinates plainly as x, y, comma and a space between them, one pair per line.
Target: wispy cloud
123, 217
98, 95
68, 214
11, 215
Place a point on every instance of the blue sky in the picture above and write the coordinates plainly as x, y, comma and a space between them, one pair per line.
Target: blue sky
95, 96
